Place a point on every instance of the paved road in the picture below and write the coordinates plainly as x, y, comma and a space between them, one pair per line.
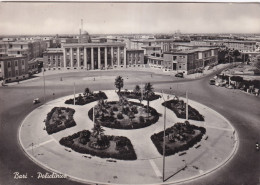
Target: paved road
240, 109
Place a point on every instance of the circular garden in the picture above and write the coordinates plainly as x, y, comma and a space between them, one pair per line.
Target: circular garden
123, 114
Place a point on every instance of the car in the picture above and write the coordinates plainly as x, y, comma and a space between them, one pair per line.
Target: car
212, 81
36, 100
180, 75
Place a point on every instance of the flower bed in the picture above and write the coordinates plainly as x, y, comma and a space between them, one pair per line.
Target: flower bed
179, 137
134, 95
179, 108
83, 100
59, 119
116, 147
130, 116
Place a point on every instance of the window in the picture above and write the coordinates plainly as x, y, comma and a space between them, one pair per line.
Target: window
16, 63
9, 64
179, 66
21, 46
22, 62
174, 57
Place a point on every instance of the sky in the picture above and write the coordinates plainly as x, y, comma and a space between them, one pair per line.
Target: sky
111, 18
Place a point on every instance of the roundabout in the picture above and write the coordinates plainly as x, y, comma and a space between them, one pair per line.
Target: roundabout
204, 157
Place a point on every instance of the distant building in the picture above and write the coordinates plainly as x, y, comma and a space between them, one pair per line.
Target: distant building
188, 61
134, 58
242, 46
53, 58
31, 49
33, 65
13, 68
152, 50
85, 37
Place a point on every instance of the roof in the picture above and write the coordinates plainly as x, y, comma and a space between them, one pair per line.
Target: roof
66, 45
154, 58
54, 50
12, 57
186, 52
151, 47
140, 50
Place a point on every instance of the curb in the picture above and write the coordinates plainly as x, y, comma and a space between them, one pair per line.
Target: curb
85, 181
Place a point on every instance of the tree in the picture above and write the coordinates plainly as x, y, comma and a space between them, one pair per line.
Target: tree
148, 89
119, 83
236, 53
137, 89
98, 132
86, 92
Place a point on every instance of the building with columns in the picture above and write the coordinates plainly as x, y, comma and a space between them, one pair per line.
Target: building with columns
93, 56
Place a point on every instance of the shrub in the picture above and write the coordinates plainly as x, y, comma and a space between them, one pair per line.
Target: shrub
126, 153
115, 108
141, 119
157, 139
120, 115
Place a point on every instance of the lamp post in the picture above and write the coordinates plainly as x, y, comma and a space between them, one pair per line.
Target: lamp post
44, 86
164, 126
74, 93
187, 106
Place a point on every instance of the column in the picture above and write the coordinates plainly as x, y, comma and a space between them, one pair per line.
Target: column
105, 57
64, 57
85, 57
112, 57
124, 57
92, 58
78, 57
99, 62
118, 56
71, 58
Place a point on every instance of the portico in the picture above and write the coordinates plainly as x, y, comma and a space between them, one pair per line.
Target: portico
92, 56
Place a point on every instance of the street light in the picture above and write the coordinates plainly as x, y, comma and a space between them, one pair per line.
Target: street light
164, 125
44, 86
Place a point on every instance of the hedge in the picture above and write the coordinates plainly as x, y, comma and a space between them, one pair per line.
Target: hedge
133, 95
193, 113
86, 100
157, 138
111, 122
56, 127
122, 142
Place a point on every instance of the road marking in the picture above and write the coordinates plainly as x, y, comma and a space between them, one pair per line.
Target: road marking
219, 128
155, 168
38, 145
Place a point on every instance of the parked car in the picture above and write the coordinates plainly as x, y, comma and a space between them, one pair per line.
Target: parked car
212, 81
36, 100
180, 75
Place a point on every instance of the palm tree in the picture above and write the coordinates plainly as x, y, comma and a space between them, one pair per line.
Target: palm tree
137, 89
148, 89
86, 92
98, 131
119, 83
